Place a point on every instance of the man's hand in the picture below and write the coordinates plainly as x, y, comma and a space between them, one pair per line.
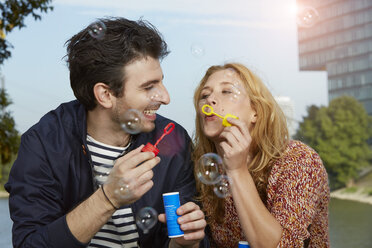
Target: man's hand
192, 223
131, 177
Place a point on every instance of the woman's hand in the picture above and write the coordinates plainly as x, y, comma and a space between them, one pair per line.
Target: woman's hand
192, 223
234, 145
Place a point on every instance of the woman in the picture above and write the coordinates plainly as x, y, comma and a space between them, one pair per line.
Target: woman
279, 190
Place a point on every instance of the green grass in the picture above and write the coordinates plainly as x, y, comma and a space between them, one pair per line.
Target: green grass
367, 191
350, 190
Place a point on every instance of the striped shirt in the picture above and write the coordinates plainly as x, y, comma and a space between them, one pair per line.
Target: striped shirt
120, 230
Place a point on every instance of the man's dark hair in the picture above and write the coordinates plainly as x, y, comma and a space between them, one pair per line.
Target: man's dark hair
92, 60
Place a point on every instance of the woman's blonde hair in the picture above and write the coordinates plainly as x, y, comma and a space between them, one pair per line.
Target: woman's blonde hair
269, 135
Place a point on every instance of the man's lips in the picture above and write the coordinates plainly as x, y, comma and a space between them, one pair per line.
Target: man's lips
150, 111
150, 114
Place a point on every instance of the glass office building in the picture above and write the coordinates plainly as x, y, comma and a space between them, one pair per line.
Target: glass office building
339, 40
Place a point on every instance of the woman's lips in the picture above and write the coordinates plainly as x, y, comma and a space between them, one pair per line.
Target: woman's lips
210, 117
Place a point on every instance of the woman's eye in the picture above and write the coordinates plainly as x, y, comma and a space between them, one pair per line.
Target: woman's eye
205, 96
226, 92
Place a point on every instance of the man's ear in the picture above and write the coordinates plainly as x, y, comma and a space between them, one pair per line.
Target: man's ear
103, 95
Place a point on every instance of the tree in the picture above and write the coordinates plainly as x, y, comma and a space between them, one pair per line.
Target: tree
13, 14
9, 136
339, 133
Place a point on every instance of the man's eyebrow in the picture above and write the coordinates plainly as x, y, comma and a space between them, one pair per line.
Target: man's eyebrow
148, 83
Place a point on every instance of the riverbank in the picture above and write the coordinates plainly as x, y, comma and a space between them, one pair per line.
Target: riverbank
4, 194
359, 194
361, 191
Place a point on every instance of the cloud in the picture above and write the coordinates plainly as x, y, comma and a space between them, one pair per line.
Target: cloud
264, 14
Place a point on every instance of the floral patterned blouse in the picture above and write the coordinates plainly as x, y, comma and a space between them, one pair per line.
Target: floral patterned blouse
297, 196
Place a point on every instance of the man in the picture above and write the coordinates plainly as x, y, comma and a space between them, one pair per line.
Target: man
79, 179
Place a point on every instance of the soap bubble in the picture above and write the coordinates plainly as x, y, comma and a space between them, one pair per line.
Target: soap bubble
222, 188
236, 93
97, 30
230, 72
208, 168
197, 50
146, 218
99, 177
132, 121
307, 16
155, 94
234, 89
122, 189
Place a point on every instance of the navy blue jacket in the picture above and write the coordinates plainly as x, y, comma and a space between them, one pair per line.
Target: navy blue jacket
53, 174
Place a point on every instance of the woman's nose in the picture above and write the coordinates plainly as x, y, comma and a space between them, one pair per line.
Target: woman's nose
211, 100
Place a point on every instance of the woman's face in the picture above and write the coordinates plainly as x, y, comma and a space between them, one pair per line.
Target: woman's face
226, 94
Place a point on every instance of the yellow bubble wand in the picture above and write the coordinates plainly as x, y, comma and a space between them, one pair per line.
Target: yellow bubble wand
224, 118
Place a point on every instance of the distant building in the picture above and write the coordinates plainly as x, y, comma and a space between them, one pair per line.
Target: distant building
336, 36
287, 107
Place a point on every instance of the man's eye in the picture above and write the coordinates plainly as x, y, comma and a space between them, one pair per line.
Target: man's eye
149, 87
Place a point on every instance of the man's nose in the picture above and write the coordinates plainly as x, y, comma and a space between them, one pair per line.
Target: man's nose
164, 96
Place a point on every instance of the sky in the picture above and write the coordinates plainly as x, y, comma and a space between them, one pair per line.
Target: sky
260, 34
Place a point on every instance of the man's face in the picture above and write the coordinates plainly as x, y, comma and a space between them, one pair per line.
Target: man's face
144, 91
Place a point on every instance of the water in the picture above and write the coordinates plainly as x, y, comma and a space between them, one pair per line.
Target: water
6, 224
350, 224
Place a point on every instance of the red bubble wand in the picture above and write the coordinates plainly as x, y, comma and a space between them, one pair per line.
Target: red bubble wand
152, 148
